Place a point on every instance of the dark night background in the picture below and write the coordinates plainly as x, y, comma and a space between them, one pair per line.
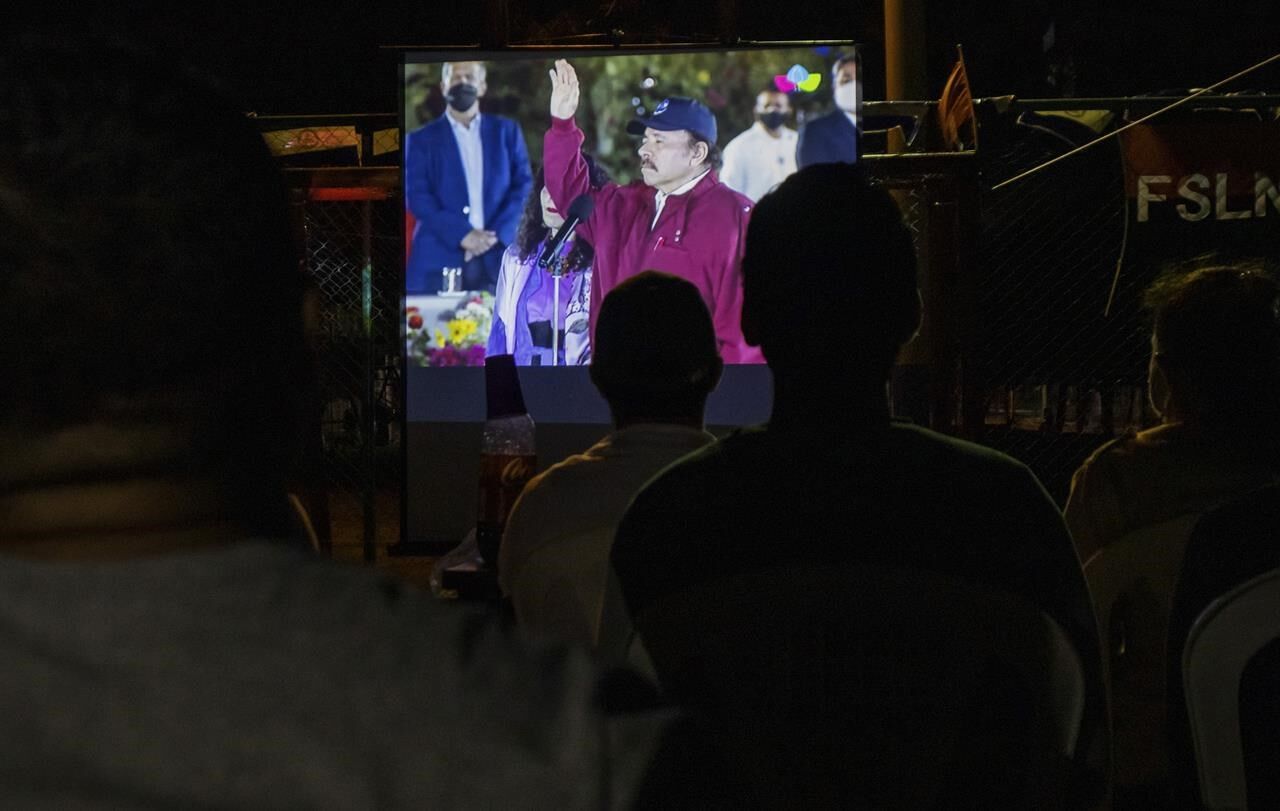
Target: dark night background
329, 59
291, 58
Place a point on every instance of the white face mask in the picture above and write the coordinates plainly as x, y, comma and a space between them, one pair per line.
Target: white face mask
847, 97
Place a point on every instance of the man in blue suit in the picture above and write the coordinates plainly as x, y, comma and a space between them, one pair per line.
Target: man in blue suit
466, 179
833, 138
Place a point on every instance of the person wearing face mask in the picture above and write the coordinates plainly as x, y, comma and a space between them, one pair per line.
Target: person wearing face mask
1214, 381
833, 138
763, 156
466, 179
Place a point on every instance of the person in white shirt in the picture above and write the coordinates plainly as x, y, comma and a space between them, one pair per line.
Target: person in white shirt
763, 156
655, 362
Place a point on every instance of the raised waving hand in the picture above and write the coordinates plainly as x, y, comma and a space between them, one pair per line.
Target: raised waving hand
564, 89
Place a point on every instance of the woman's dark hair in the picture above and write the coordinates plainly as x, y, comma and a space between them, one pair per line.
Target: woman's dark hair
533, 231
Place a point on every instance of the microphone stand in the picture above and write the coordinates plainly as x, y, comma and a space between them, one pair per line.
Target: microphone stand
557, 270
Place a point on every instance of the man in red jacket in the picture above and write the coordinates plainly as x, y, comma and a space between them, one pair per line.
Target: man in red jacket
679, 219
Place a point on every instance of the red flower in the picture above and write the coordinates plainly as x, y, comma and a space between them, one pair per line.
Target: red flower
415, 321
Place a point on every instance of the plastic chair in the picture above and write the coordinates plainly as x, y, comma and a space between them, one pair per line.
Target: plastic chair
1231, 544
893, 688
1131, 583
1230, 632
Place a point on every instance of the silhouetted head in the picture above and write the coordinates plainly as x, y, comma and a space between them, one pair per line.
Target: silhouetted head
829, 278
148, 272
654, 355
1215, 345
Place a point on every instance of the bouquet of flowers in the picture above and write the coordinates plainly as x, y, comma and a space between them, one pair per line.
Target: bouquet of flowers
458, 337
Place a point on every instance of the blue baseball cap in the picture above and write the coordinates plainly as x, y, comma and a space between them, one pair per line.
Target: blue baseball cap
678, 113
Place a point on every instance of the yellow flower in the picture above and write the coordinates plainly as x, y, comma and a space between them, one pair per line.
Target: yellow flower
440, 338
458, 330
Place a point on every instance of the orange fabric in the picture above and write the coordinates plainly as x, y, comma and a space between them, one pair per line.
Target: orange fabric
955, 108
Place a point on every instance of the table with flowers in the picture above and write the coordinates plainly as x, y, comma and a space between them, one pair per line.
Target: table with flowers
448, 329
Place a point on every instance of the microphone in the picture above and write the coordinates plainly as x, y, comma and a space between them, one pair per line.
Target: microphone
579, 210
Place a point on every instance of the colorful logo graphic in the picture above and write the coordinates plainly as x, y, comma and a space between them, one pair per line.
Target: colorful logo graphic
797, 78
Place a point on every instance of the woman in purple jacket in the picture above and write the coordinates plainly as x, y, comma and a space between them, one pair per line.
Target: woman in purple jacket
524, 305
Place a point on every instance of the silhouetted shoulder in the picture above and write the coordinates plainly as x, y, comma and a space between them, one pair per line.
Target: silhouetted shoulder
940, 448
741, 446
922, 445
1107, 457
826, 496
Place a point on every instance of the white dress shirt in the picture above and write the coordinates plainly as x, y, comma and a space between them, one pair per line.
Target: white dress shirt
661, 199
756, 161
471, 151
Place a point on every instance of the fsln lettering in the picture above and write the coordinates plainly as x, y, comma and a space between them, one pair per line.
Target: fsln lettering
1195, 203
1192, 189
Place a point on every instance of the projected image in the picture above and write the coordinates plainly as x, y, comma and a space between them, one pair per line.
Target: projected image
535, 185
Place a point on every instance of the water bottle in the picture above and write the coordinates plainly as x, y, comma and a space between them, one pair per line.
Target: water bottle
507, 453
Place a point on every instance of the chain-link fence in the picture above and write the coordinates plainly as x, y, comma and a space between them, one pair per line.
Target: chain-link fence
345, 180
1059, 348
354, 254
1051, 363
1036, 344
935, 193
